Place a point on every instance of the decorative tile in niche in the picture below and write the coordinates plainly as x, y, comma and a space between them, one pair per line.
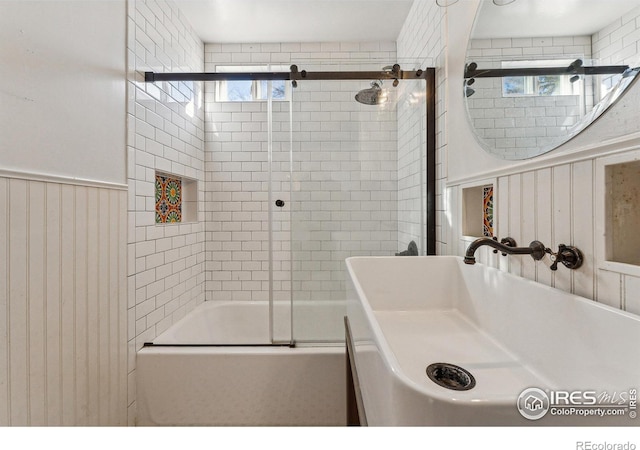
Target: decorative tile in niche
168, 199
478, 210
487, 211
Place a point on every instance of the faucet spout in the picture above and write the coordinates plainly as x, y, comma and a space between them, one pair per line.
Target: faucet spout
536, 249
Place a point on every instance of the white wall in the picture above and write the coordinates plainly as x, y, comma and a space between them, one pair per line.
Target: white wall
62, 101
166, 134
63, 208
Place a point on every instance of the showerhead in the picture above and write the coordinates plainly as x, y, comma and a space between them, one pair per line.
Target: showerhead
371, 96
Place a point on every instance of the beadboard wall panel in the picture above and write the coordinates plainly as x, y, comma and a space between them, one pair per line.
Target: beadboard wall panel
4, 302
501, 216
554, 205
582, 228
543, 215
63, 305
562, 219
514, 211
527, 221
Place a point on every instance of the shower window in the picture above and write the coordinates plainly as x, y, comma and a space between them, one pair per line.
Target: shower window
538, 86
252, 91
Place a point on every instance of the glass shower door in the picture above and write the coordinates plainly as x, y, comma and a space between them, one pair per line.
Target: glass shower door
344, 198
358, 189
298, 182
279, 139
247, 234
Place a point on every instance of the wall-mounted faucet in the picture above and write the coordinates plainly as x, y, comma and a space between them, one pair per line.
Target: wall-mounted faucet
569, 256
536, 249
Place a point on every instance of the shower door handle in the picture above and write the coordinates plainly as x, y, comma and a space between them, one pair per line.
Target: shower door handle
279, 203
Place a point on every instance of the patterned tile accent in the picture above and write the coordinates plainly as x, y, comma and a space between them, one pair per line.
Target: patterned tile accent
487, 209
168, 199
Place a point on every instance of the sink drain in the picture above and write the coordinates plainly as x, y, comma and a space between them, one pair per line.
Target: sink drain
451, 376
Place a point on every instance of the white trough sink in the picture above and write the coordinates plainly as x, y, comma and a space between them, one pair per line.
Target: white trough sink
511, 334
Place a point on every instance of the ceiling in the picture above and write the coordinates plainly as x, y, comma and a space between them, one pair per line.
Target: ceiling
265, 21
538, 18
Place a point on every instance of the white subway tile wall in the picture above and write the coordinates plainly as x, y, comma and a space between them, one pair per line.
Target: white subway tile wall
618, 43
165, 133
344, 176
345, 182
421, 44
516, 126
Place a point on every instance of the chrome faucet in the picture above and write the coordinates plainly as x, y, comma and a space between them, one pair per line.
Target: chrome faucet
536, 249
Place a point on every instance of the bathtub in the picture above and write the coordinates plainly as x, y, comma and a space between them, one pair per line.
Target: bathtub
188, 377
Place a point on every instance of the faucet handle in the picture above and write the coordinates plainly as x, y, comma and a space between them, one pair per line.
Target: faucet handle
555, 258
568, 255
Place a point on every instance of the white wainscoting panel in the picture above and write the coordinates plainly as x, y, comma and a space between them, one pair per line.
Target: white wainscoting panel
62, 304
555, 205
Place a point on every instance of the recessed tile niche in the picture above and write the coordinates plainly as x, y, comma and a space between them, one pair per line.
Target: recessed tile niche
477, 211
622, 203
176, 199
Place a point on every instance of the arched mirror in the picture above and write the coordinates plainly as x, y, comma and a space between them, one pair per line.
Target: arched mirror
538, 72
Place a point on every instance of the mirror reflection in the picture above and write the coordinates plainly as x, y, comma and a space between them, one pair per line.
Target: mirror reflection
540, 71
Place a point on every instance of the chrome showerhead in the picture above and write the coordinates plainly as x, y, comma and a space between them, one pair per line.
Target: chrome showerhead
372, 96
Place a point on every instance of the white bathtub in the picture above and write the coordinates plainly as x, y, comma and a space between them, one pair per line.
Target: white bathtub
247, 323
186, 382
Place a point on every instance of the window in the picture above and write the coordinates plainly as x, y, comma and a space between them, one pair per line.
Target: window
541, 85
251, 90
